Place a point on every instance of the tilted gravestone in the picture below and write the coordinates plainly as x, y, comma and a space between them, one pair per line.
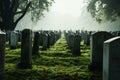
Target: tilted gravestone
96, 55
111, 59
76, 45
2, 55
26, 50
13, 40
35, 50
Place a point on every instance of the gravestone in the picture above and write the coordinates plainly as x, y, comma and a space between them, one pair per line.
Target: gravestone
96, 47
26, 50
76, 45
2, 55
111, 59
7, 36
45, 41
13, 40
51, 39
48, 44
19, 36
35, 50
41, 39
88, 38
71, 41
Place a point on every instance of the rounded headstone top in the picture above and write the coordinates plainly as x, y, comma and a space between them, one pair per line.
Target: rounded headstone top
112, 39
27, 31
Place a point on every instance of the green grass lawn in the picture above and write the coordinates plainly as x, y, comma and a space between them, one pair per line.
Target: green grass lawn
55, 63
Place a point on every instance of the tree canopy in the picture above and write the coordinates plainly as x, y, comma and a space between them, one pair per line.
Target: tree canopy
12, 11
104, 9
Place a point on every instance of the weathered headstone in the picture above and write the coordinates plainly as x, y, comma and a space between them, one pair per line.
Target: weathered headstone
35, 50
41, 39
13, 40
45, 41
51, 39
111, 59
76, 45
96, 55
26, 50
48, 44
71, 41
2, 55
19, 36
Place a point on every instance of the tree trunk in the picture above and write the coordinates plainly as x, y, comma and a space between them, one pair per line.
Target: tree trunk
7, 25
8, 14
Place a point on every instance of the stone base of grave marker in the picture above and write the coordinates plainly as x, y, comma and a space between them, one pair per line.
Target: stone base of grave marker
94, 66
24, 66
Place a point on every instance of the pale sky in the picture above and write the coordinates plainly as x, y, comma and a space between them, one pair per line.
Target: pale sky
70, 7
62, 13
66, 15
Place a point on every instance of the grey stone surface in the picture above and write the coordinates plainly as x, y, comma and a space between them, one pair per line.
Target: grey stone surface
71, 41
96, 55
41, 39
76, 45
2, 55
45, 41
26, 49
13, 40
35, 50
51, 39
111, 59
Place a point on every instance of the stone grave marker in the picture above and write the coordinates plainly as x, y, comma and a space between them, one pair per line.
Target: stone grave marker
13, 40
26, 50
96, 47
35, 50
76, 45
2, 55
45, 41
111, 59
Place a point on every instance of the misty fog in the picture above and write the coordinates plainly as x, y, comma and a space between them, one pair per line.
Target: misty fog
78, 19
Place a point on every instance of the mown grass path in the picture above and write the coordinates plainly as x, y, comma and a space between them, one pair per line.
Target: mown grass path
55, 63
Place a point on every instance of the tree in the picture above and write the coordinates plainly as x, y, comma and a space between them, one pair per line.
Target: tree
104, 10
12, 11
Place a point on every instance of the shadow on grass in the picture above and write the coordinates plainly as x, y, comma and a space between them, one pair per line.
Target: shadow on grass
56, 63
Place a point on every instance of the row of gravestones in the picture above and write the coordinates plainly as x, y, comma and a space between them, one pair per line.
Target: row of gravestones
44, 38
75, 37
48, 38
73, 40
26, 49
105, 51
85, 36
105, 54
